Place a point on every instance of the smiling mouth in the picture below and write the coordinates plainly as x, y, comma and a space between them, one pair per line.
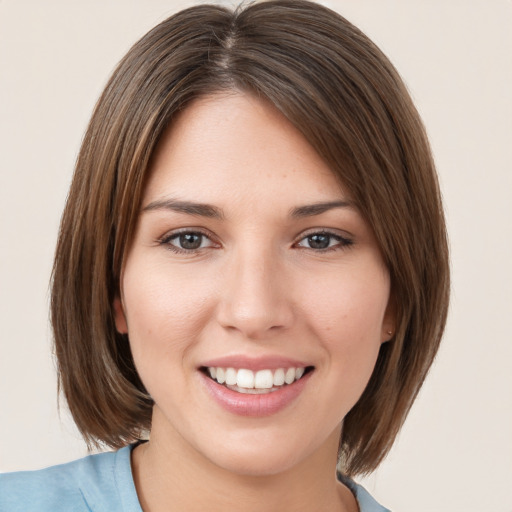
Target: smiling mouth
260, 382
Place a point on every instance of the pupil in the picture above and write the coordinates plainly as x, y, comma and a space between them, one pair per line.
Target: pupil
319, 241
190, 241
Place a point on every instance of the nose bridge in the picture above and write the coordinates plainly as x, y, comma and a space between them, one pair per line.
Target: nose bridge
255, 300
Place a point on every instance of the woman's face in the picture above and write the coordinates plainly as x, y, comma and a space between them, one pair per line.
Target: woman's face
251, 264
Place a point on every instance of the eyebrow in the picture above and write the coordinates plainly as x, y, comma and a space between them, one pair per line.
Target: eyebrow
210, 211
317, 208
188, 207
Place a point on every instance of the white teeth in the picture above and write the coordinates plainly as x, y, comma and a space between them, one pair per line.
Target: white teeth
231, 376
247, 381
252, 391
263, 379
279, 377
221, 375
289, 376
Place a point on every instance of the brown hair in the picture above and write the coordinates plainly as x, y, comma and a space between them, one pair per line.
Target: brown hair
347, 99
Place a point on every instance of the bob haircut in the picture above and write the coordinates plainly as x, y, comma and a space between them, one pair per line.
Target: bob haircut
342, 93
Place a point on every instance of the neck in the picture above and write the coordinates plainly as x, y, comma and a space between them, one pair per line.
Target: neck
170, 474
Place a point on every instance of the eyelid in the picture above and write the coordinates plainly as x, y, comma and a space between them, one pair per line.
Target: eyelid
345, 239
326, 231
170, 235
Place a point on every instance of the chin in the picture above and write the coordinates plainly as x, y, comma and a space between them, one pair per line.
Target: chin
259, 454
257, 465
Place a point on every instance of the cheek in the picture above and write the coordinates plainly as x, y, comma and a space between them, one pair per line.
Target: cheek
347, 317
165, 312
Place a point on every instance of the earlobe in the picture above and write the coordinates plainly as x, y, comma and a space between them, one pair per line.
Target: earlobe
389, 323
387, 336
120, 317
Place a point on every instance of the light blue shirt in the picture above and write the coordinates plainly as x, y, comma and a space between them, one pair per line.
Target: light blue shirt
97, 483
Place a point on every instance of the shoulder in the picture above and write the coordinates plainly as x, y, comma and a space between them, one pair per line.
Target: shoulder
94, 483
364, 499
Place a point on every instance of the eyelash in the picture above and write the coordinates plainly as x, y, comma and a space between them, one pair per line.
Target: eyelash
166, 240
343, 242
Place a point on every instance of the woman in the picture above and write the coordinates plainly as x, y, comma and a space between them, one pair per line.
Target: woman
251, 274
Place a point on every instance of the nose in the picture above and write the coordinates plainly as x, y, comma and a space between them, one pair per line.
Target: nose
257, 296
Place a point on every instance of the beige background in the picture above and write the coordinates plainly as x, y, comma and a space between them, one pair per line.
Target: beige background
455, 452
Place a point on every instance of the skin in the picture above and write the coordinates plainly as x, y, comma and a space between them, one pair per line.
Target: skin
255, 287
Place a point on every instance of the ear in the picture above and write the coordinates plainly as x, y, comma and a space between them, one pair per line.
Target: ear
388, 329
120, 317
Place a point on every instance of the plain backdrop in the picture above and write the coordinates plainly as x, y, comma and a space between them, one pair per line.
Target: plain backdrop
455, 452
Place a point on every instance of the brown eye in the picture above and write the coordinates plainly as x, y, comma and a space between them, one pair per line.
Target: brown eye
324, 241
320, 241
187, 241
190, 240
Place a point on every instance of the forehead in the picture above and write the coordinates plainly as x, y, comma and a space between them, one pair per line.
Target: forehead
234, 145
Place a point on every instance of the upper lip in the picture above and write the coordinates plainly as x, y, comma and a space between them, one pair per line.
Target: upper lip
271, 362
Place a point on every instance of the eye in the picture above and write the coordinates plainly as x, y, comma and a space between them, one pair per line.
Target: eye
187, 241
324, 241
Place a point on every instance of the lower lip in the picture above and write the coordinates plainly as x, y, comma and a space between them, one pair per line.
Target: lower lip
265, 404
